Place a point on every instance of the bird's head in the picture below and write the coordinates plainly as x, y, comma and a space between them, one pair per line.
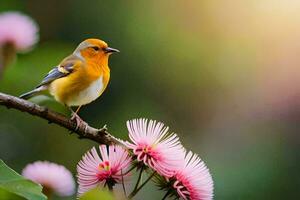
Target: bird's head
94, 50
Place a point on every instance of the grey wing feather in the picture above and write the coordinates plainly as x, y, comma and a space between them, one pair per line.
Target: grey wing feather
55, 73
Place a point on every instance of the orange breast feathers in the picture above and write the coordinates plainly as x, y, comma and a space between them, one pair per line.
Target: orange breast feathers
87, 82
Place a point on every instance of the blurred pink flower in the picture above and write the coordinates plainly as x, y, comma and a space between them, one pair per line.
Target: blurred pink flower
18, 29
192, 179
94, 171
51, 176
154, 146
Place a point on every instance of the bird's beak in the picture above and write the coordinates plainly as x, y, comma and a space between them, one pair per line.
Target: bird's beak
111, 50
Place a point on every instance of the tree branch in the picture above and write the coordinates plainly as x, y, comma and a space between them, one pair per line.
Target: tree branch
101, 136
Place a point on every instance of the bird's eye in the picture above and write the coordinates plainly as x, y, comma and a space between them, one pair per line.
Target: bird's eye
96, 48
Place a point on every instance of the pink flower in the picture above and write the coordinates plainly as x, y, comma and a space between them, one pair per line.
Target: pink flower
192, 179
153, 146
51, 176
108, 170
18, 29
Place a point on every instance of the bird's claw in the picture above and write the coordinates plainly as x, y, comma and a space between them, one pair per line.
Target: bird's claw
79, 121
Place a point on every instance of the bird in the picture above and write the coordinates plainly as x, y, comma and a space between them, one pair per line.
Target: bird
80, 78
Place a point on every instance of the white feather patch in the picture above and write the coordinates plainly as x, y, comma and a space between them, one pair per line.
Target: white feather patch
89, 94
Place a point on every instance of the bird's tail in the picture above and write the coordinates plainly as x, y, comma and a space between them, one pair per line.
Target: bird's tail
32, 93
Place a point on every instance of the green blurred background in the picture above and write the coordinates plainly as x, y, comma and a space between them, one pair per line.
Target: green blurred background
222, 74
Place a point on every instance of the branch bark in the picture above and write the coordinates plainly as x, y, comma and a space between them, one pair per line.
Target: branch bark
102, 136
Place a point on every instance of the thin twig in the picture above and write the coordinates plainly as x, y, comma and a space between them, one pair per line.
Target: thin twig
101, 136
132, 168
134, 192
167, 194
123, 185
137, 183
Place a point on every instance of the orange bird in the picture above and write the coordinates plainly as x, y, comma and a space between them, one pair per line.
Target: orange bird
80, 78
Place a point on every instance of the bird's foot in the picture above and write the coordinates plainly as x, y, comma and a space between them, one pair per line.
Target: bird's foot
79, 122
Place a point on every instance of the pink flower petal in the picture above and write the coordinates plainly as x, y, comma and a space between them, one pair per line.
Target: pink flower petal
53, 176
94, 170
154, 146
193, 180
18, 29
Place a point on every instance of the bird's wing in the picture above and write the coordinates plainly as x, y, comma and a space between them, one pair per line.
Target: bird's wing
64, 69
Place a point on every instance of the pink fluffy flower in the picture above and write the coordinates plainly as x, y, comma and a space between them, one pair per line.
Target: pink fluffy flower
192, 179
53, 177
17, 29
107, 170
154, 146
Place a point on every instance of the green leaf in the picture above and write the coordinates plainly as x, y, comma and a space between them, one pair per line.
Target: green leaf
9, 196
15, 184
97, 194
